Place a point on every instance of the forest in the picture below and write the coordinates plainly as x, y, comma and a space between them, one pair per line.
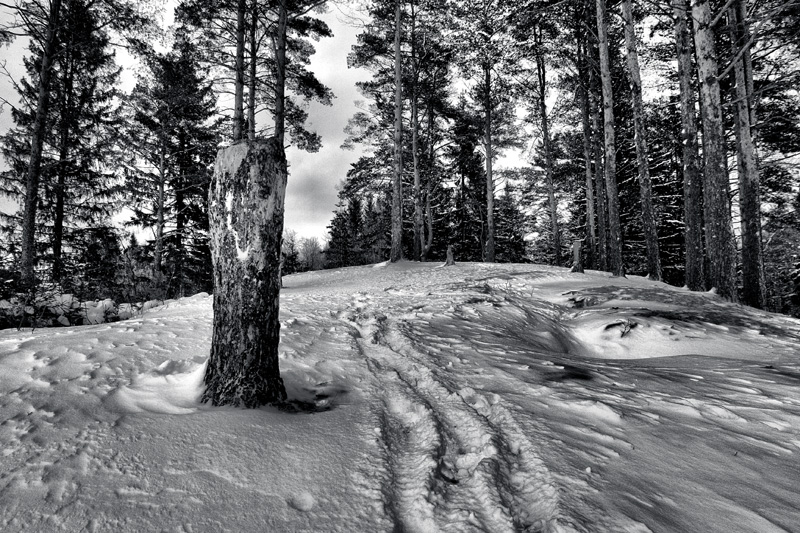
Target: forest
662, 137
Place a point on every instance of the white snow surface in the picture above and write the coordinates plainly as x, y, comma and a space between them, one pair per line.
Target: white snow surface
468, 398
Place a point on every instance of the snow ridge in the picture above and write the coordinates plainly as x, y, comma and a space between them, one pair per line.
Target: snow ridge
458, 459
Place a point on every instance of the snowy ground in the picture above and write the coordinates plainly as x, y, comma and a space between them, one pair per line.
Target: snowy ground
471, 398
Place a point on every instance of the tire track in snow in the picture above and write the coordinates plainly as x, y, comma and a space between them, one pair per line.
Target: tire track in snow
458, 460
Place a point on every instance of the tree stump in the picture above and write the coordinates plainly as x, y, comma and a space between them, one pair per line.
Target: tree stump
246, 202
577, 256
450, 260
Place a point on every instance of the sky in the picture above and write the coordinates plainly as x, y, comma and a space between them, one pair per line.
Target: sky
312, 189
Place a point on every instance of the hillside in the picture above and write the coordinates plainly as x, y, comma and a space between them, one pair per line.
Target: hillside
469, 398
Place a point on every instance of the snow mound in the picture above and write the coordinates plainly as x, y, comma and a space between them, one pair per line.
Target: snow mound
173, 388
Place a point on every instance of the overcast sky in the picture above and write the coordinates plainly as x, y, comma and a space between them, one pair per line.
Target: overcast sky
313, 178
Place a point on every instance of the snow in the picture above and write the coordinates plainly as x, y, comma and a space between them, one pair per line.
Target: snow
468, 398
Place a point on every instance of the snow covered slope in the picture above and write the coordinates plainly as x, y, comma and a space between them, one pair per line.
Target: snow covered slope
469, 398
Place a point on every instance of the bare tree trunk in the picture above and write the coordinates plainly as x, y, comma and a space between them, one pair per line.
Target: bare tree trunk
397, 181
428, 209
160, 202
280, 73
28, 248
63, 162
489, 256
720, 245
591, 229
615, 241
548, 150
238, 99
642, 154
246, 201
753, 285
599, 185
251, 92
692, 181
419, 223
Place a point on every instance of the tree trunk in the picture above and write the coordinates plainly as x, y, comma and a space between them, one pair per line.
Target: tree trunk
238, 99
615, 241
63, 163
280, 74
28, 248
489, 256
599, 185
428, 209
642, 154
577, 256
692, 181
548, 150
419, 223
397, 181
753, 292
591, 229
160, 203
720, 245
246, 201
251, 92
180, 219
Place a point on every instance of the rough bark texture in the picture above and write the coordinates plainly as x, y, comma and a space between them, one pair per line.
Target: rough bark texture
238, 98
753, 286
615, 229
720, 245
396, 253
246, 219
692, 181
577, 256
642, 154
28, 248
251, 85
489, 255
419, 222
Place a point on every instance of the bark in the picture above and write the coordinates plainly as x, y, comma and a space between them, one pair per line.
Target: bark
251, 90
180, 219
397, 179
577, 256
28, 248
599, 185
692, 181
238, 99
615, 230
428, 209
642, 155
720, 245
280, 74
753, 291
548, 153
246, 201
489, 256
591, 229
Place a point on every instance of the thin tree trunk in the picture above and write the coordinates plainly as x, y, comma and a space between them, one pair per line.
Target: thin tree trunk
428, 209
180, 218
160, 201
615, 241
246, 200
489, 256
720, 245
238, 99
548, 150
280, 73
251, 92
397, 181
642, 153
63, 161
591, 229
419, 223
28, 248
692, 181
753, 291
599, 182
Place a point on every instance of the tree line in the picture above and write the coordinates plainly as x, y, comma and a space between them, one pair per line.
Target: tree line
664, 136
